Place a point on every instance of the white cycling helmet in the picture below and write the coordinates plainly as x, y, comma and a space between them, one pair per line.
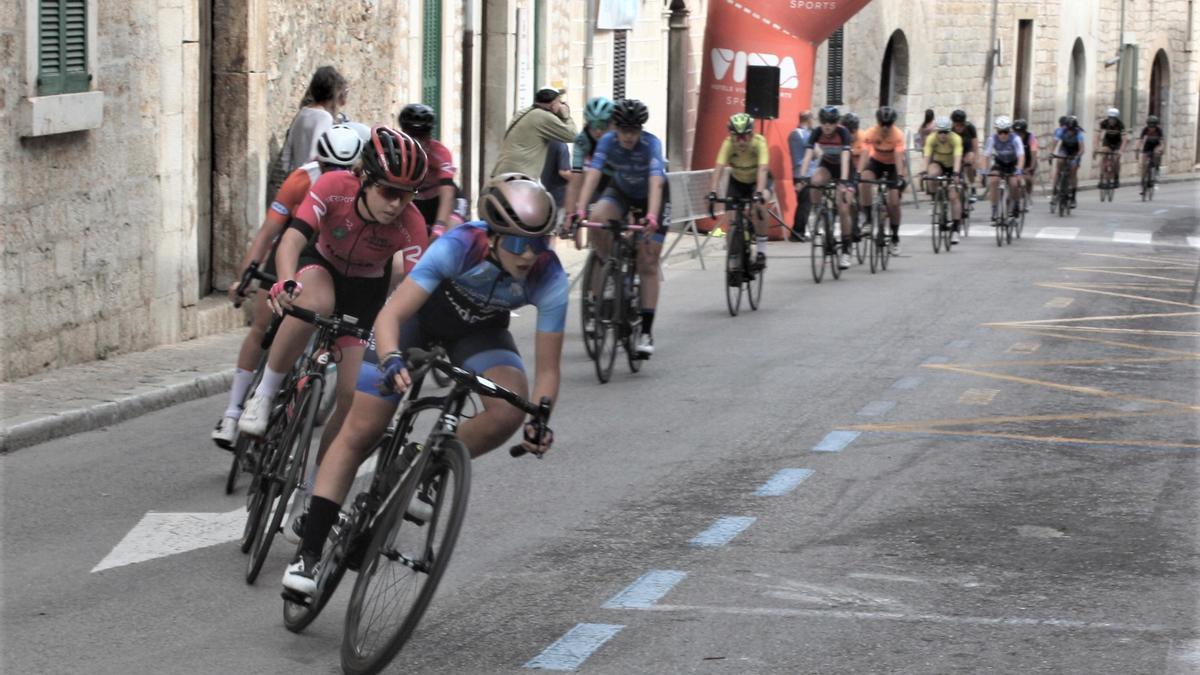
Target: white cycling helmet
942, 124
1003, 123
363, 131
1113, 112
340, 146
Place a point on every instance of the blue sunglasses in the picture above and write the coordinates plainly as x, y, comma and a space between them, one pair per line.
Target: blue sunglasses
519, 245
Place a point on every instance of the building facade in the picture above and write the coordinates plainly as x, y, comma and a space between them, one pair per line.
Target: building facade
1054, 58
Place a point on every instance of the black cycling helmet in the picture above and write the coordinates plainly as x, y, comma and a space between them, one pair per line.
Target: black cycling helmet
958, 116
417, 119
850, 121
1062, 121
1072, 122
630, 113
885, 115
1020, 125
1153, 119
829, 115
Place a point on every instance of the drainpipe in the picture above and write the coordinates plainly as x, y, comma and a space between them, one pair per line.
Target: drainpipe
588, 62
468, 86
677, 85
991, 68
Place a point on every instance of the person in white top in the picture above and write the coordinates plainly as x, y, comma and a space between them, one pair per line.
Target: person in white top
326, 95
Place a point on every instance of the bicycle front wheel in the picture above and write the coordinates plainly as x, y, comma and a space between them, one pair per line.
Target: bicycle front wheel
608, 318
831, 246
754, 284
817, 252
404, 562
735, 272
285, 475
937, 222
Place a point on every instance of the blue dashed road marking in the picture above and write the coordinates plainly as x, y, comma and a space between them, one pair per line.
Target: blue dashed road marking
722, 532
574, 647
835, 441
876, 408
783, 482
647, 590
910, 382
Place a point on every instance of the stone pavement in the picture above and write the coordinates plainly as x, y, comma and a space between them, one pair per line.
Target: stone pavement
92, 395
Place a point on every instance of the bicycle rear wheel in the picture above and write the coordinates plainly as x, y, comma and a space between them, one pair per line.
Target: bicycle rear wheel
404, 562
587, 304
735, 272
633, 320
243, 442
860, 244
282, 481
608, 318
883, 246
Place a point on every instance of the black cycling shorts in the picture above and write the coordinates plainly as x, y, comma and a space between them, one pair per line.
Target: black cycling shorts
360, 297
882, 171
746, 190
624, 202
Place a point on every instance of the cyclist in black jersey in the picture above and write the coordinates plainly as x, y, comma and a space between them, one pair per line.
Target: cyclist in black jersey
1151, 142
966, 131
1111, 143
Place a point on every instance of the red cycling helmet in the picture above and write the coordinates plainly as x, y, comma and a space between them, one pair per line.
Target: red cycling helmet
394, 158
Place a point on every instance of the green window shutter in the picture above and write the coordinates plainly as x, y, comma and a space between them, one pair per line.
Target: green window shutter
431, 60
62, 47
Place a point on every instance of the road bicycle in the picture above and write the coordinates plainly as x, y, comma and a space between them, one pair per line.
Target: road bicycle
401, 557
824, 251
742, 273
878, 240
616, 315
1060, 199
1003, 222
1150, 178
279, 457
940, 227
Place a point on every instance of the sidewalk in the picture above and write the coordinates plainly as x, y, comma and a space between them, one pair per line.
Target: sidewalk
92, 395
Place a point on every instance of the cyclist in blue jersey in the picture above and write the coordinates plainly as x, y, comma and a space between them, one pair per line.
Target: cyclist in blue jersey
1008, 157
638, 180
459, 295
1068, 149
598, 115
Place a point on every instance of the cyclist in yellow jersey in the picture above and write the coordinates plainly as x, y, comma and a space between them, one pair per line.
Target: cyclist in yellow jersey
944, 154
746, 155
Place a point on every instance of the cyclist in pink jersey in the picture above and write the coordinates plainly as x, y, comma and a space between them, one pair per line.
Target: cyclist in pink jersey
359, 225
437, 192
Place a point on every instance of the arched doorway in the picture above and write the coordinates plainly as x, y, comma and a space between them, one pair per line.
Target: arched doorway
1076, 77
893, 81
1160, 87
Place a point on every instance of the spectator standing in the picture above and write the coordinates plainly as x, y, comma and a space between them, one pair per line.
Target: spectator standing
327, 93
557, 171
797, 144
523, 149
927, 127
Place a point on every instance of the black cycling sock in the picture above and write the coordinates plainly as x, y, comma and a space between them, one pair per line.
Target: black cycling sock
322, 514
647, 320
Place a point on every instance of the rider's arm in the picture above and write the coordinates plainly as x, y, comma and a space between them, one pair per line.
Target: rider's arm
590, 180
399, 308
898, 156
956, 141
287, 255
446, 194
764, 161
719, 165
717, 172
845, 172
547, 350
289, 196
654, 198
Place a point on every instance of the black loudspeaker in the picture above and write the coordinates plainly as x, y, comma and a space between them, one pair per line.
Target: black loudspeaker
762, 92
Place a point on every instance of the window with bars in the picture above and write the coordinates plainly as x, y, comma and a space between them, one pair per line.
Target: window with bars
431, 60
833, 79
62, 47
620, 43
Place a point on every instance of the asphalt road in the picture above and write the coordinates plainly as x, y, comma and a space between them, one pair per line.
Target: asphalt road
996, 455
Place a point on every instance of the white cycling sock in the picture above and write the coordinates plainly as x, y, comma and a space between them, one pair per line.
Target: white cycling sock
269, 383
237, 392
761, 244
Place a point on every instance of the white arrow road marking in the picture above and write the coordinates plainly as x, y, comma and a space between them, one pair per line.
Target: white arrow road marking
158, 535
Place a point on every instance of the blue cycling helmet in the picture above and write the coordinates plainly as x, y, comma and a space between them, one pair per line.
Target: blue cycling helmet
598, 110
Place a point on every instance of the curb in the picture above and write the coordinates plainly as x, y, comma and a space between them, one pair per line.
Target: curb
88, 419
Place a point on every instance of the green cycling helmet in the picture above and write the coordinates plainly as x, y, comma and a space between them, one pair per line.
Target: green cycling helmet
598, 110
741, 123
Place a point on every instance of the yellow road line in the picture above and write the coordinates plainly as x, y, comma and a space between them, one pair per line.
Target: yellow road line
1113, 317
1086, 391
978, 396
1055, 439
1138, 258
1009, 419
1045, 330
1127, 274
1058, 303
1078, 362
1024, 348
1132, 331
1068, 287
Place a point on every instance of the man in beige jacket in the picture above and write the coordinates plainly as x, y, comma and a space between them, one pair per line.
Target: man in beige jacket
523, 149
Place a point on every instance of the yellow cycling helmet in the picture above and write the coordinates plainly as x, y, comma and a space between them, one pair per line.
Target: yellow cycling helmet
741, 123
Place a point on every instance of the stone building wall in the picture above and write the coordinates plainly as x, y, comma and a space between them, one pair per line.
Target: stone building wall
95, 251
947, 44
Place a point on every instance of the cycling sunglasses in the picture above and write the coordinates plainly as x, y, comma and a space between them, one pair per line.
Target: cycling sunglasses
744, 137
519, 245
393, 193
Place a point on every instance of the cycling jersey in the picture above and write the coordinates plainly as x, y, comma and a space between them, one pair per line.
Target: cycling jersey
470, 292
441, 170
353, 246
1151, 137
885, 144
827, 147
743, 164
1006, 154
943, 152
1070, 142
968, 135
1112, 130
631, 169
292, 193
582, 150
857, 144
